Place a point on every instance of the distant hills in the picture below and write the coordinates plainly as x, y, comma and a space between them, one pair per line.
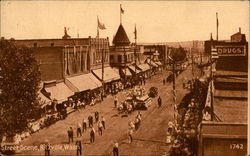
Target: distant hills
184, 44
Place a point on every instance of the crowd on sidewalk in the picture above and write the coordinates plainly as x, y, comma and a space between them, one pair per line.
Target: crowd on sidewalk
182, 134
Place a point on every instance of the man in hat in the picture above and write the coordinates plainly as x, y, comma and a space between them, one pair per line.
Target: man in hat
79, 131
70, 134
159, 101
115, 149
100, 126
90, 118
84, 125
96, 116
78, 147
92, 135
103, 122
130, 132
47, 148
115, 101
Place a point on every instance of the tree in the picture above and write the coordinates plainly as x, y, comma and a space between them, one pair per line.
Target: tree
179, 54
19, 84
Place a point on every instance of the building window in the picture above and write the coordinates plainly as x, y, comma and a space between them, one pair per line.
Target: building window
111, 59
125, 59
35, 44
52, 44
119, 58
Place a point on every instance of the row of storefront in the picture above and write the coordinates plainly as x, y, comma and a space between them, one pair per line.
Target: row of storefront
93, 86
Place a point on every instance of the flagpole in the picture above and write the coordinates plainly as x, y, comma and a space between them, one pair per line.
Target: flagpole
217, 25
135, 48
120, 14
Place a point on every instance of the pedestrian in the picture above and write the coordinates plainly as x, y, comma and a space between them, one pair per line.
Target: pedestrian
47, 148
96, 116
139, 115
115, 101
84, 125
164, 81
78, 147
115, 149
91, 121
159, 101
103, 122
70, 134
92, 135
130, 138
100, 126
137, 123
79, 131
90, 118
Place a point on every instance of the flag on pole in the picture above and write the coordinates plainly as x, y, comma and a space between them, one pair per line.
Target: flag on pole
122, 11
101, 25
135, 32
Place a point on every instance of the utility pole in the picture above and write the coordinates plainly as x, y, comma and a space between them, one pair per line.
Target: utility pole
211, 76
192, 57
174, 91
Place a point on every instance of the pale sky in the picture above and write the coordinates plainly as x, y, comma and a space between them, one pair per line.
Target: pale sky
156, 21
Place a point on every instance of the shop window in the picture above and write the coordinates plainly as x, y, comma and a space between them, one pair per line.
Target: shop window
119, 58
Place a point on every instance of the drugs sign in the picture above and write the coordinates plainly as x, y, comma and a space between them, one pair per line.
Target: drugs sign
231, 50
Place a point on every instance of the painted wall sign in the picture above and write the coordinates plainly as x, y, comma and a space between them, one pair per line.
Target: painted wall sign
231, 50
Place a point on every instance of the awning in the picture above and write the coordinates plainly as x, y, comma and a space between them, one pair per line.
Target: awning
44, 100
144, 66
133, 68
60, 92
108, 76
126, 72
83, 82
158, 63
153, 64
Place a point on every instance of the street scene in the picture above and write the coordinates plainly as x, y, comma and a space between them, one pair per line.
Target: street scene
114, 78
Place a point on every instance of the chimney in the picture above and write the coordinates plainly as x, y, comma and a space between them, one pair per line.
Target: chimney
239, 30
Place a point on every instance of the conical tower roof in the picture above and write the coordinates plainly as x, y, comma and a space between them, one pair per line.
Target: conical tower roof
121, 37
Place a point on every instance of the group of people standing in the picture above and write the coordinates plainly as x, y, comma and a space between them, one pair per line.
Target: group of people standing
133, 126
81, 128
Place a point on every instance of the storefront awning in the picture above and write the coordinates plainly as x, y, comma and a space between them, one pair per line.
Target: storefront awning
44, 100
144, 66
134, 69
153, 64
108, 76
126, 72
60, 92
83, 82
158, 63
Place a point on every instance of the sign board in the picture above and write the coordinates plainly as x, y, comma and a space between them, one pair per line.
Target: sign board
231, 50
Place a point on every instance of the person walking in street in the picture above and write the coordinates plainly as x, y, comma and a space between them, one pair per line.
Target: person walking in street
90, 118
70, 135
116, 149
47, 148
84, 125
79, 131
103, 122
159, 101
92, 135
130, 138
164, 82
115, 101
96, 116
78, 147
100, 126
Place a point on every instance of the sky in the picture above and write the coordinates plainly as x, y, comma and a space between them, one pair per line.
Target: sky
156, 21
